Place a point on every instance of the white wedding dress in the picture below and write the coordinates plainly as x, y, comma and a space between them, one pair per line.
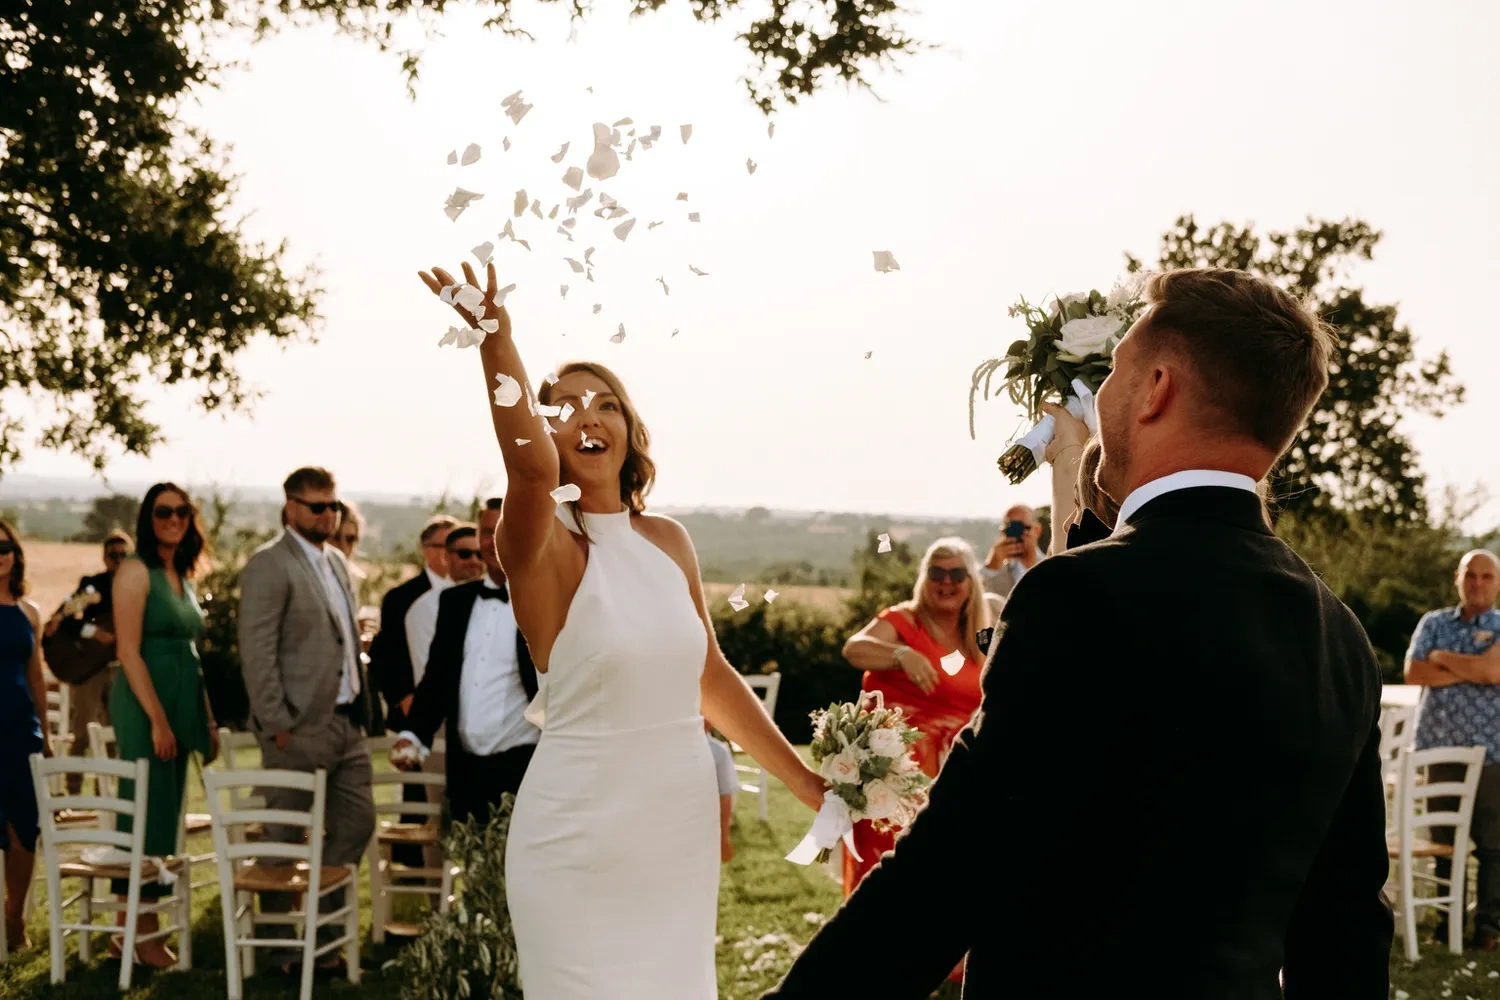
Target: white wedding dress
612, 866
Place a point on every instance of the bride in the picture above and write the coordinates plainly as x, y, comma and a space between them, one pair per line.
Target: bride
612, 866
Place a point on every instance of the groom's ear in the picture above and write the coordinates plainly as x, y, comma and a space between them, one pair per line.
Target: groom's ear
1162, 387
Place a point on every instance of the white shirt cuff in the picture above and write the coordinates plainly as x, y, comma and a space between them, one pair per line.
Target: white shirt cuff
422, 750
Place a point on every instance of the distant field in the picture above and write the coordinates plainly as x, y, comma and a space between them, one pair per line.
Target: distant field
53, 569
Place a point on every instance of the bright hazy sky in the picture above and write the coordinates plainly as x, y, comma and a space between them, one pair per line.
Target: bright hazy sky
1023, 157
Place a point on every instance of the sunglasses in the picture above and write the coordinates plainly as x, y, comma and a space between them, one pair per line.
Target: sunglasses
321, 506
164, 512
8, 548
115, 555
465, 554
938, 574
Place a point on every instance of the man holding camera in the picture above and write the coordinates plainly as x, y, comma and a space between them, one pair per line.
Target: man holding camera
1015, 551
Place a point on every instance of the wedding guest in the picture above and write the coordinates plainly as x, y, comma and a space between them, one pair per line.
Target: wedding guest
21, 731
479, 679
465, 563
346, 539
390, 656
1454, 656
729, 783
308, 696
1015, 551
81, 648
162, 712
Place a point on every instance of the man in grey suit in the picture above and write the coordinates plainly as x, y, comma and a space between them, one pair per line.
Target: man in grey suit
299, 644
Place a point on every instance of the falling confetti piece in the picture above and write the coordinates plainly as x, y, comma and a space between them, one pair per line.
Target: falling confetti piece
568, 224
505, 144
619, 337
508, 392
573, 179
574, 204
607, 200
564, 291
682, 196
524, 243
687, 133
577, 267
468, 298
518, 206
512, 99
567, 493
771, 596
458, 201
471, 155
953, 662
623, 229
653, 225
588, 397
771, 131
598, 308
604, 162
446, 295
489, 325
564, 231
630, 152
701, 274
452, 157
885, 262
737, 599
549, 377
502, 293
558, 156
461, 337
567, 413
522, 442
518, 111
536, 208
508, 233
750, 165
655, 133
676, 332
555, 209
885, 543
665, 289
868, 354
693, 217
588, 255
484, 252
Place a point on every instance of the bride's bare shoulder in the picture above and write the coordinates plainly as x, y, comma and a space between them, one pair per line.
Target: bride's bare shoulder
669, 534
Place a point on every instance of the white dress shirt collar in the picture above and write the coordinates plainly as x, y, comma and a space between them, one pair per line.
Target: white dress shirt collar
1187, 479
438, 582
316, 553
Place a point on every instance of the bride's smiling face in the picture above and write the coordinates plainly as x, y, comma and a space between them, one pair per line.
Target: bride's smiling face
594, 441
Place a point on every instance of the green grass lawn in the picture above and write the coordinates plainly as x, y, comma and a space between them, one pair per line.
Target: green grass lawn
768, 909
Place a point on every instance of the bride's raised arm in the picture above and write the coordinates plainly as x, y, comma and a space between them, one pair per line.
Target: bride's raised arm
531, 462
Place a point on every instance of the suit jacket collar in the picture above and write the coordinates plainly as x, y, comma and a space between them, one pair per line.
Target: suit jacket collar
1223, 503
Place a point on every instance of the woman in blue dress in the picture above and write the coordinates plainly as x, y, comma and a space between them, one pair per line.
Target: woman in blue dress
21, 691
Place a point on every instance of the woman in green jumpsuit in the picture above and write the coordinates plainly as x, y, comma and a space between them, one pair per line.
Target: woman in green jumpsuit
162, 713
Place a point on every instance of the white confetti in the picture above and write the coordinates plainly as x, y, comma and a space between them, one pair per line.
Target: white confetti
564, 291
567, 493
664, 287
687, 133
885, 262
574, 204
553, 214
461, 337
566, 413
502, 293
452, 157
771, 596
558, 156
568, 224
623, 229
737, 599
607, 200
655, 133
484, 252
520, 202
588, 397
549, 377
471, 155
508, 233
653, 225
619, 337
512, 99
489, 325
524, 243
508, 392
693, 217
518, 111
676, 332
868, 355
701, 274
953, 662
623, 122
682, 196
630, 152
598, 307
750, 165
505, 144
885, 543
446, 295
577, 267
458, 201
469, 298
536, 207
604, 162
573, 179
564, 231
771, 131
588, 256
522, 442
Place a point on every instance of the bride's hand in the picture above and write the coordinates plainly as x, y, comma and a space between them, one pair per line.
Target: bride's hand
810, 787
1068, 431
437, 279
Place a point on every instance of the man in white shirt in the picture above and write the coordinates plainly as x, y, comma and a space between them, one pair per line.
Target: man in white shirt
479, 678
465, 563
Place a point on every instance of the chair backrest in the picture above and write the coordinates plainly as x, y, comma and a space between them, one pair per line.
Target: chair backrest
1395, 732
387, 806
102, 747
1416, 791
226, 791
45, 773
768, 685
232, 753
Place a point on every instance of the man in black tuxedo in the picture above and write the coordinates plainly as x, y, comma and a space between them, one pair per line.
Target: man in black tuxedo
479, 680
1187, 803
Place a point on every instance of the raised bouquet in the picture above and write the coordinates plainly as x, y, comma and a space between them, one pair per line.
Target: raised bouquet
864, 750
1067, 357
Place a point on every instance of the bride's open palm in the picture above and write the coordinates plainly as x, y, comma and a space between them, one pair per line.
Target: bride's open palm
438, 279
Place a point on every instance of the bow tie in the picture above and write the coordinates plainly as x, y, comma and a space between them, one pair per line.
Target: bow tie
494, 593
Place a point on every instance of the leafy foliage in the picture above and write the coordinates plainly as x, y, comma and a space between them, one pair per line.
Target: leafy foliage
116, 512
1351, 461
469, 952
881, 579
219, 595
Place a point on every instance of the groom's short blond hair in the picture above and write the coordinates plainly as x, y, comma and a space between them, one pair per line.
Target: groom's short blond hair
1259, 354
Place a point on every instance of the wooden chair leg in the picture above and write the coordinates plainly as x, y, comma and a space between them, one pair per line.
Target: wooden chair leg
86, 916
351, 926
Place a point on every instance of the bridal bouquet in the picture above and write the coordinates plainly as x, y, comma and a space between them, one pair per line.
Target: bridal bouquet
1067, 357
864, 750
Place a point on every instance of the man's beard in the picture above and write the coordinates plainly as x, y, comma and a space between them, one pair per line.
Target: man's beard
1110, 475
315, 535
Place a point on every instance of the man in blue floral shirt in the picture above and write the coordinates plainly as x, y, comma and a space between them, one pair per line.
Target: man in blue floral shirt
1453, 654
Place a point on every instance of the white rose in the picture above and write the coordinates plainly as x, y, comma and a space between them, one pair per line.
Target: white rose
1082, 337
887, 743
881, 800
841, 769
904, 764
1123, 295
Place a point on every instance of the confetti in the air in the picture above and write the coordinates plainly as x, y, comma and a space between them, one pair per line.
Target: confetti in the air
508, 391
885, 262
577, 267
682, 196
653, 225
619, 337
515, 107
750, 165
588, 397
771, 131
558, 156
623, 229
555, 209
771, 596
567, 413
505, 144
737, 599
468, 298
523, 442
452, 157
458, 201
693, 217
461, 336
564, 231
604, 162
489, 325
573, 179
885, 543
566, 493
953, 662
676, 332
687, 133
536, 208
518, 206
598, 308
588, 256
664, 287
623, 122
701, 274
484, 252
574, 204
868, 355
564, 291
471, 155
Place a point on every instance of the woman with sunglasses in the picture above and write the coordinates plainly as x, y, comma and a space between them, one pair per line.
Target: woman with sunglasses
162, 714
922, 655
22, 689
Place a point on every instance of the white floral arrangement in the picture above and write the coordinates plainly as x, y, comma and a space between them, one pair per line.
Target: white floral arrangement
1067, 357
864, 751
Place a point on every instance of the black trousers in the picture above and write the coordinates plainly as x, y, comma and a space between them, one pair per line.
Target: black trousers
475, 784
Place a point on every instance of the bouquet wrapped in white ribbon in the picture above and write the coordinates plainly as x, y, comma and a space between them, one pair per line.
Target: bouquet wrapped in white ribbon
1067, 357
864, 750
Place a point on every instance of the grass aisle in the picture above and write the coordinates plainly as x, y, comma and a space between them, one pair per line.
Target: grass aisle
768, 909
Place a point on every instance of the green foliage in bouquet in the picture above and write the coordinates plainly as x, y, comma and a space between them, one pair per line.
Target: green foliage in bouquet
865, 753
468, 953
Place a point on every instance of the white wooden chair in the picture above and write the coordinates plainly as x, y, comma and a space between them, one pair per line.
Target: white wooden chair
1413, 844
235, 754
59, 722
1397, 727
134, 867
435, 877
755, 779
241, 876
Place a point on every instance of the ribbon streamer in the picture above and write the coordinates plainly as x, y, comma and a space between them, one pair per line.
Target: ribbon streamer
832, 824
1081, 404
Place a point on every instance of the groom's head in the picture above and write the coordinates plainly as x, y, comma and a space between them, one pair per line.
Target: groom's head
1220, 372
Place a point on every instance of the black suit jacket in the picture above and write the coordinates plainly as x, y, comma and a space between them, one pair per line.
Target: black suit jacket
437, 696
390, 659
1172, 788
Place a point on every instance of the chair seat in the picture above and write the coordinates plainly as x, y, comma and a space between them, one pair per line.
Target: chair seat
402, 929
1419, 848
407, 833
198, 822
288, 878
83, 869
73, 818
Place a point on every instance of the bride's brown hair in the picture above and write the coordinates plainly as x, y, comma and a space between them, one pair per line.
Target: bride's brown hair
638, 473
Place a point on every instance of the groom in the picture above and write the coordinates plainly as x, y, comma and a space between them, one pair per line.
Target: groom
1191, 804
